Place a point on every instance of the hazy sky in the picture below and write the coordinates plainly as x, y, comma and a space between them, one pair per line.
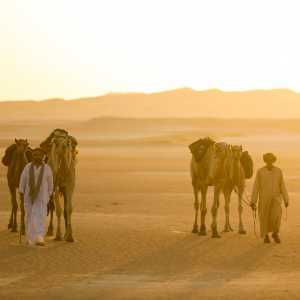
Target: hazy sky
69, 48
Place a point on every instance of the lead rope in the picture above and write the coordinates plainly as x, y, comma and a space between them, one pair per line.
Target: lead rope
286, 214
254, 221
55, 193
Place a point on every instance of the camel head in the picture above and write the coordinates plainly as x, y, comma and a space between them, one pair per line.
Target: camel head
60, 144
236, 152
217, 160
200, 151
22, 145
61, 150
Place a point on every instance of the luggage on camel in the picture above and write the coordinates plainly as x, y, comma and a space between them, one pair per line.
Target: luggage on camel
6, 159
9, 152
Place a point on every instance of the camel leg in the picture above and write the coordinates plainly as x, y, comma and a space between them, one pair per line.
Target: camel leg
22, 228
203, 210
65, 213
196, 207
14, 209
58, 211
10, 224
227, 196
241, 225
68, 207
214, 212
50, 227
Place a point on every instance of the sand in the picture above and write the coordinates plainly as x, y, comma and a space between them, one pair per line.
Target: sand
133, 215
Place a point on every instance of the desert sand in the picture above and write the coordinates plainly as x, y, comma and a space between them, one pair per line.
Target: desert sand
133, 215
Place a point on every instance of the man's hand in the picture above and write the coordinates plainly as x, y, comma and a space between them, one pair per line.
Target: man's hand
286, 204
253, 206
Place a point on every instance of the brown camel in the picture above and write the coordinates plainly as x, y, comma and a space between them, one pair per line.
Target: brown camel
203, 154
15, 158
218, 165
61, 153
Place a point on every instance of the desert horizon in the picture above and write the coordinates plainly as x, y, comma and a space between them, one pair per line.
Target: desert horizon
179, 103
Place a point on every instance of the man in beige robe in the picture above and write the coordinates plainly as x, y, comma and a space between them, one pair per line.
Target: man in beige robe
269, 188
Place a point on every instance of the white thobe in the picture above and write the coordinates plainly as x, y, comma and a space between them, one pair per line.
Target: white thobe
36, 212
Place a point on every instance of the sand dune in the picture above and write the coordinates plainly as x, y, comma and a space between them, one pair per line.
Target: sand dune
183, 103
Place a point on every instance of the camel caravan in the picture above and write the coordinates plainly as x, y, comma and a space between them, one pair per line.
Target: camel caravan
59, 151
224, 167
45, 175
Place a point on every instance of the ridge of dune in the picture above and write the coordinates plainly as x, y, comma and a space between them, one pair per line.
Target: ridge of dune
178, 103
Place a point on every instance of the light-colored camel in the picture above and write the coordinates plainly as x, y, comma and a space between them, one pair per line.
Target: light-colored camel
228, 176
219, 167
16, 157
62, 160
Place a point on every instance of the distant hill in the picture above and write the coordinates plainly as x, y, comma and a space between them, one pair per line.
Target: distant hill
180, 103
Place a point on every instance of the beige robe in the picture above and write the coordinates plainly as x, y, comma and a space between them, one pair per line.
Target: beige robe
269, 188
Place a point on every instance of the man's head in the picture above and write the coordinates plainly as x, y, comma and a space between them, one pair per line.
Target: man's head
269, 159
38, 155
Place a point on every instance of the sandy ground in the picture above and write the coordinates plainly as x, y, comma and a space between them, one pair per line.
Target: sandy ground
132, 224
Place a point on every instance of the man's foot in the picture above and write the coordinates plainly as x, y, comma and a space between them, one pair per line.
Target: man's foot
276, 238
40, 241
267, 240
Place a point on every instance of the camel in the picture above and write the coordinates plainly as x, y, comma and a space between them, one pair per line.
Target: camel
228, 176
217, 165
15, 158
203, 154
61, 153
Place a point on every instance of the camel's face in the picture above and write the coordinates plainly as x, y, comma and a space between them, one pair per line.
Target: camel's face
22, 145
220, 152
237, 152
201, 150
61, 152
61, 144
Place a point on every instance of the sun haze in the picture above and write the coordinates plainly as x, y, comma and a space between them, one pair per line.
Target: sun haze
81, 48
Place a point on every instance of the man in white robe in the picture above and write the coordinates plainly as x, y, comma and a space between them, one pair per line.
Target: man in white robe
36, 187
269, 188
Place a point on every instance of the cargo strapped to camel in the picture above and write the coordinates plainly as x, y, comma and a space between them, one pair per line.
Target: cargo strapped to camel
199, 148
6, 159
247, 164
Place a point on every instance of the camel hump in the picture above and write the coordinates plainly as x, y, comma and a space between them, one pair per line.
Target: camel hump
6, 159
247, 163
